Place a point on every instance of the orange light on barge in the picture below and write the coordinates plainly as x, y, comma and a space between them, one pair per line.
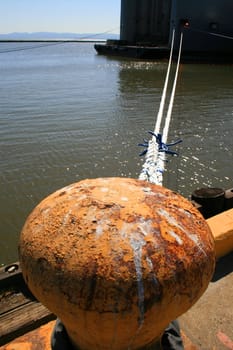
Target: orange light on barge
116, 260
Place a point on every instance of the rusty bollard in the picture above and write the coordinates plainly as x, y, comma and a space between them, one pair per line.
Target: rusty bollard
116, 260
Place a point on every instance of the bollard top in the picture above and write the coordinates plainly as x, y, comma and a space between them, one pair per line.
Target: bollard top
117, 254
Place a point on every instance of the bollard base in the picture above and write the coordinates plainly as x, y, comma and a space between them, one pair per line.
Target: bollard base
171, 339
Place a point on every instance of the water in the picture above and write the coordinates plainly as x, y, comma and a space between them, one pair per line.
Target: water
67, 114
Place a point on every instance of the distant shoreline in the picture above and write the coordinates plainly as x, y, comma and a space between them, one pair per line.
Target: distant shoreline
52, 41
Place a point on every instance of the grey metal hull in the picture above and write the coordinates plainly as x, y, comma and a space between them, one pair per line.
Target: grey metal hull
147, 26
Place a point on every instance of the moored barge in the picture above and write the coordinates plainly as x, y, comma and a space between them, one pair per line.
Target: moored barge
146, 28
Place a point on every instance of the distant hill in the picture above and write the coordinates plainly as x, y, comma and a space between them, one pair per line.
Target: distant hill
57, 36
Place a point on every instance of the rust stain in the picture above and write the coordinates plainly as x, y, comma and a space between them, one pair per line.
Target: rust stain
109, 253
38, 339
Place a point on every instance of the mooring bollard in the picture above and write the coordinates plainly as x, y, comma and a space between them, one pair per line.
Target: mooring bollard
211, 199
116, 260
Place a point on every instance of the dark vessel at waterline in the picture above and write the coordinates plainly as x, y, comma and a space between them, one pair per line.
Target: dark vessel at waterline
147, 27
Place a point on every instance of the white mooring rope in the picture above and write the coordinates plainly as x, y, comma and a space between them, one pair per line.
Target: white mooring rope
154, 165
162, 102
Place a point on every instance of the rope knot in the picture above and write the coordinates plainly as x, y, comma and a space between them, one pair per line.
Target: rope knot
162, 146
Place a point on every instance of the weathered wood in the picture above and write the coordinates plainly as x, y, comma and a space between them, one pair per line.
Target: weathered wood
10, 300
22, 319
20, 312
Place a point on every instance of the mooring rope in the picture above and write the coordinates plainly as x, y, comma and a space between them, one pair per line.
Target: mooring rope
224, 36
157, 148
162, 102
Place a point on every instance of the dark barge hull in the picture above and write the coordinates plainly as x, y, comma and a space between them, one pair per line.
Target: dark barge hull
162, 53
146, 30
140, 52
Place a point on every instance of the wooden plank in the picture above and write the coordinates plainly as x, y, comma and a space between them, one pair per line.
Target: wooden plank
39, 338
22, 319
10, 300
20, 312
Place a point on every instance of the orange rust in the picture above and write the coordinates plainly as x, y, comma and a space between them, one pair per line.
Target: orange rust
38, 339
116, 254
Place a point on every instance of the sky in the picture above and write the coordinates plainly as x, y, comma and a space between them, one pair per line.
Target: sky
74, 16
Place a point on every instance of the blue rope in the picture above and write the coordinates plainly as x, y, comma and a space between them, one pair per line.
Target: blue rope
162, 147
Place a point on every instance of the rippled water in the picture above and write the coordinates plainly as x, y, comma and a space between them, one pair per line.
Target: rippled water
67, 114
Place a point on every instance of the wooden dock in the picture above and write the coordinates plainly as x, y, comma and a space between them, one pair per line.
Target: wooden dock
20, 312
